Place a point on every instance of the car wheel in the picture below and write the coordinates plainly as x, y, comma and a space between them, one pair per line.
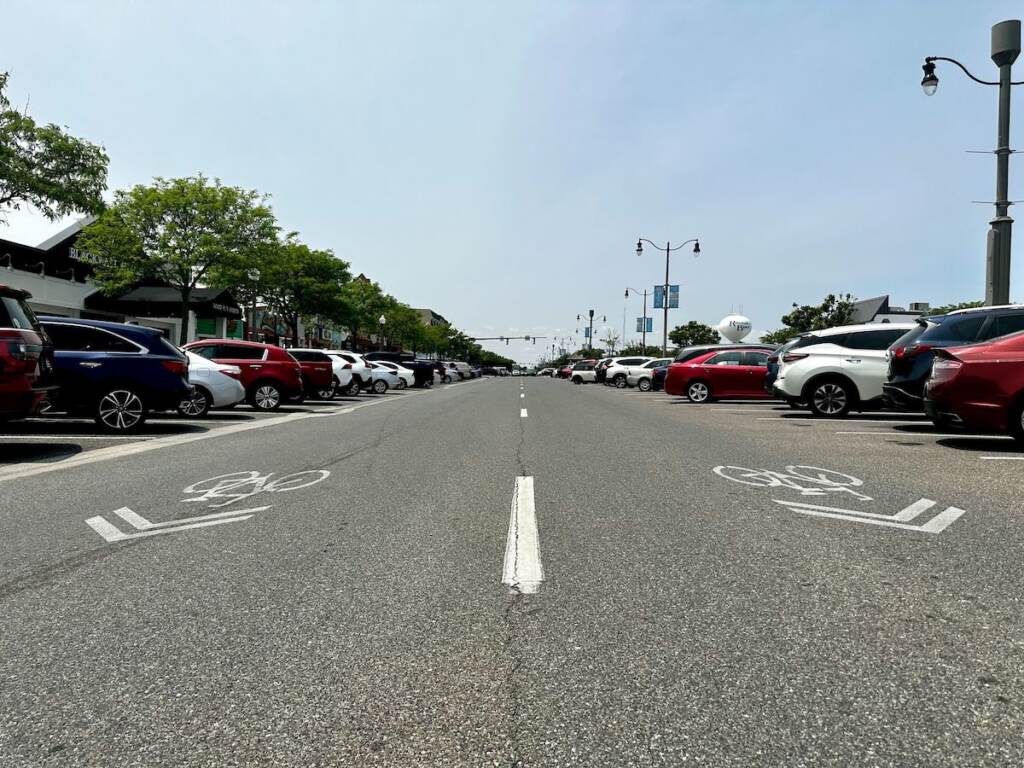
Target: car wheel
380, 387
1017, 422
620, 381
265, 396
644, 385
120, 410
352, 389
577, 380
197, 405
328, 392
830, 397
401, 384
698, 392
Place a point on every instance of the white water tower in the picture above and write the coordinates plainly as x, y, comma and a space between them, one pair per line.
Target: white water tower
735, 328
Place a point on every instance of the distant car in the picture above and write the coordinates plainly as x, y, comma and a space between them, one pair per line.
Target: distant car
910, 356
838, 369
269, 374
406, 378
361, 374
732, 373
341, 371
545, 371
115, 372
564, 372
423, 370
980, 386
26, 358
382, 378
463, 369
213, 386
643, 377
583, 372
620, 369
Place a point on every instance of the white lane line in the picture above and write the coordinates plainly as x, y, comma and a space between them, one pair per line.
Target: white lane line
1001, 458
522, 413
522, 394
927, 434
18, 471
72, 438
523, 571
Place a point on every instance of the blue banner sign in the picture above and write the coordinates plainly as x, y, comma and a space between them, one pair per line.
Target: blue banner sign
586, 331
673, 297
640, 324
659, 297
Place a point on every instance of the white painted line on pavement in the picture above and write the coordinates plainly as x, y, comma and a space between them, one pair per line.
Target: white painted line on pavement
17, 471
523, 571
72, 438
1001, 458
813, 419
522, 413
927, 434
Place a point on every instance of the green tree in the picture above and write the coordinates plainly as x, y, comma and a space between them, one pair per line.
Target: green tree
946, 308
693, 333
46, 168
302, 282
179, 232
834, 310
367, 303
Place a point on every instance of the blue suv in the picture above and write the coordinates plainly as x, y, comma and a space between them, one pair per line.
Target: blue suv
114, 372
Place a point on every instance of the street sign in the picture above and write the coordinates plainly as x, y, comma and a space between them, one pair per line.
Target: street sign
673, 297
586, 331
640, 324
659, 297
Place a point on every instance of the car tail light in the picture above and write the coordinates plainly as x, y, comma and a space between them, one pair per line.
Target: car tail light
945, 368
178, 367
15, 353
792, 357
231, 370
906, 353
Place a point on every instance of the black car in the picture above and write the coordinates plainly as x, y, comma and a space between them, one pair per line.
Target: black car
658, 378
773, 365
911, 355
422, 370
114, 372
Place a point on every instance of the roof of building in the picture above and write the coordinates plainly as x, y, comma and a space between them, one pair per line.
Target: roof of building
864, 311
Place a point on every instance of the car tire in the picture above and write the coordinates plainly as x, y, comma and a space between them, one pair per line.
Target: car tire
197, 406
120, 410
1017, 422
352, 389
577, 380
620, 381
379, 387
328, 394
265, 396
401, 384
830, 398
644, 385
699, 392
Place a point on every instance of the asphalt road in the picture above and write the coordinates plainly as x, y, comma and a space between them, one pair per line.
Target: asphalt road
346, 607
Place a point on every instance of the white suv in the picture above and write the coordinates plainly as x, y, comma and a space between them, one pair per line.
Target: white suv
583, 372
620, 368
837, 369
362, 376
642, 377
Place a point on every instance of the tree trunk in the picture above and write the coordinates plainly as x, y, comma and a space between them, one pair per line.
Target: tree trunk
186, 296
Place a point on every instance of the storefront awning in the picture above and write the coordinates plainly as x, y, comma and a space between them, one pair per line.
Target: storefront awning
162, 301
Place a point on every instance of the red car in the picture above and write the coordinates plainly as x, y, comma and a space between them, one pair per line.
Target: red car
733, 373
317, 373
26, 357
269, 374
980, 386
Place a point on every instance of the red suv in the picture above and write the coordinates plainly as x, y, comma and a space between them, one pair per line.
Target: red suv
317, 373
269, 374
26, 357
979, 387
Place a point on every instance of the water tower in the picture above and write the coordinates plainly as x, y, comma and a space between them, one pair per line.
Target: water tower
735, 328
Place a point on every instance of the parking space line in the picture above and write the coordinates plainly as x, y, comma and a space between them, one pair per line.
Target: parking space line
893, 433
813, 419
72, 438
1001, 458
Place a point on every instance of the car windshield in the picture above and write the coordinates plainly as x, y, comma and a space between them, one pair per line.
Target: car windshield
16, 313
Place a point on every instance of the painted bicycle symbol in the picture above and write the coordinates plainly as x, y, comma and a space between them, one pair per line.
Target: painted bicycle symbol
809, 481
227, 489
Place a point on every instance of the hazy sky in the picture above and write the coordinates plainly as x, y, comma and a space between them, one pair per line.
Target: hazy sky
497, 161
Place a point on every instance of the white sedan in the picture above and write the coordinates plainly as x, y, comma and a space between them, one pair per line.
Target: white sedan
213, 386
382, 379
406, 378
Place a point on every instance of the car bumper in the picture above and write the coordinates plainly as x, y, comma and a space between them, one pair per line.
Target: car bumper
985, 417
901, 399
28, 402
227, 393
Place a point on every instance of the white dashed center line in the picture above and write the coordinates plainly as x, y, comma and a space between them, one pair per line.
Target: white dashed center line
523, 571
522, 413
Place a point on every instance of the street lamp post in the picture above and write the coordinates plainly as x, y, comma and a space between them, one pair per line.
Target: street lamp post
382, 320
590, 337
254, 278
1005, 49
664, 295
643, 325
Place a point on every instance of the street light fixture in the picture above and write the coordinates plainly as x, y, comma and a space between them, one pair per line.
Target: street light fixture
590, 336
668, 252
643, 325
382, 320
1005, 50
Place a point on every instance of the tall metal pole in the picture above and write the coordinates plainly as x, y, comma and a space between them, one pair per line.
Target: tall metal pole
664, 297
644, 326
590, 341
1005, 49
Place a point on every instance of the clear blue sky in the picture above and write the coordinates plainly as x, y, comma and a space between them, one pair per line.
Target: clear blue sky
497, 161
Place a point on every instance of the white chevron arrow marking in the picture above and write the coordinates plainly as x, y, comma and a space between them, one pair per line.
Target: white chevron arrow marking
901, 519
112, 533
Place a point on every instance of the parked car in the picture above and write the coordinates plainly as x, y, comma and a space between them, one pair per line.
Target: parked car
642, 377
317, 373
26, 358
116, 373
545, 371
563, 372
213, 386
269, 374
341, 370
382, 379
601, 368
406, 378
583, 371
688, 353
839, 369
460, 369
774, 363
423, 370
979, 386
619, 370
361, 372
658, 378
732, 373
910, 356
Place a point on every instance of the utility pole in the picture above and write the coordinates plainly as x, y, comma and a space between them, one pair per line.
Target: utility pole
664, 294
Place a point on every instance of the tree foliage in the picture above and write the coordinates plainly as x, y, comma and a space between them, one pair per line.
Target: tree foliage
47, 168
834, 310
946, 308
179, 232
693, 333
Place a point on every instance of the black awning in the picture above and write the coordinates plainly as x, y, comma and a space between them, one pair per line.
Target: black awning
163, 301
